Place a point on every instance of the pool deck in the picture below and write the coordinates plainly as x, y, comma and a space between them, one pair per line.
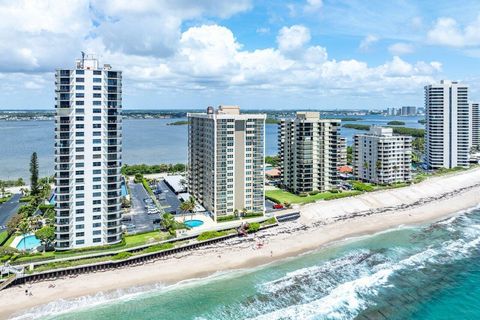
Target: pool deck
17, 240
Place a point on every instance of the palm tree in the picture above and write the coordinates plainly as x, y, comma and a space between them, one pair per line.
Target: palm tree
24, 228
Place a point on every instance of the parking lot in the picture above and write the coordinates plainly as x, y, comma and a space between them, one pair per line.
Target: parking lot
168, 199
140, 218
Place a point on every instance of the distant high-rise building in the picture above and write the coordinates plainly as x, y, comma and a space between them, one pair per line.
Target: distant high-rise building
475, 126
408, 111
448, 125
308, 152
226, 160
381, 157
88, 155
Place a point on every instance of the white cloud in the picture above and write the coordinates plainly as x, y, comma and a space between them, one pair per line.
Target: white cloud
447, 32
401, 48
313, 5
291, 39
367, 42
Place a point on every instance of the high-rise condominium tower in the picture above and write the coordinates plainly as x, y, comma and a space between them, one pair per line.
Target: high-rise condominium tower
309, 149
447, 134
88, 154
475, 109
226, 160
381, 157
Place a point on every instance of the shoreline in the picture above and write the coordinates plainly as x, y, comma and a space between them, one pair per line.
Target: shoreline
322, 224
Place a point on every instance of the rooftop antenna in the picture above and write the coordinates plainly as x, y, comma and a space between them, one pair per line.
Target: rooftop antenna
83, 58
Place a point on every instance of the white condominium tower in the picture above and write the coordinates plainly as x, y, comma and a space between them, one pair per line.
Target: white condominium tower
309, 149
381, 157
447, 128
226, 160
475, 109
88, 153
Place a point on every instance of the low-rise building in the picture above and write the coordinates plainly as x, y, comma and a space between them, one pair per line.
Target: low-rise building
381, 157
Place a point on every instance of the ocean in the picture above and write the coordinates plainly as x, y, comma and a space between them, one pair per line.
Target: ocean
149, 141
424, 272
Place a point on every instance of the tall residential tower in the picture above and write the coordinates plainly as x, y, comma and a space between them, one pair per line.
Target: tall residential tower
226, 152
309, 149
88, 154
448, 123
475, 109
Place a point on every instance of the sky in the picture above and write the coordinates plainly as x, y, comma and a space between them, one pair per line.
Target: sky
311, 54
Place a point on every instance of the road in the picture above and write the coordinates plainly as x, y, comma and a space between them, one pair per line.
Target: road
142, 221
9, 208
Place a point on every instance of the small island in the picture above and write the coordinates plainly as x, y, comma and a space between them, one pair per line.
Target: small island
272, 121
178, 123
396, 123
351, 119
422, 121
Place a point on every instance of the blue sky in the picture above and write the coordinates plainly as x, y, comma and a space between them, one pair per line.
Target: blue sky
256, 54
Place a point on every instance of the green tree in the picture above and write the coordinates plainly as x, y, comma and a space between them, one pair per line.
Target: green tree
188, 206
46, 235
34, 187
24, 228
13, 223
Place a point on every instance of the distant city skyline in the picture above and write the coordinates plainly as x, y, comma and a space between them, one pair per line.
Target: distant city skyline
308, 54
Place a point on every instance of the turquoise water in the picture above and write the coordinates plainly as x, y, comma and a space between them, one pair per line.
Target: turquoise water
426, 272
149, 141
124, 191
193, 223
28, 243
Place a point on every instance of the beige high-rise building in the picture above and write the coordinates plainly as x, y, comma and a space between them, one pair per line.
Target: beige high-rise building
342, 152
381, 157
226, 152
475, 110
308, 148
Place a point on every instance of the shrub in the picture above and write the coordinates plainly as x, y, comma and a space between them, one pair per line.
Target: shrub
303, 195
26, 199
334, 191
253, 227
253, 214
226, 218
122, 255
360, 186
270, 221
313, 193
45, 207
158, 247
210, 235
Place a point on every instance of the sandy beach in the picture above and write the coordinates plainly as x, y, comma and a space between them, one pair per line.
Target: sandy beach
320, 224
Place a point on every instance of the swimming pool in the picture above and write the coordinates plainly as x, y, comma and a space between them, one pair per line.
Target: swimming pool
124, 190
193, 223
28, 243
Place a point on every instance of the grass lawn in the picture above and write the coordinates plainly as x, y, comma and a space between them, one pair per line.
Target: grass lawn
3, 236
282, 196
144, 238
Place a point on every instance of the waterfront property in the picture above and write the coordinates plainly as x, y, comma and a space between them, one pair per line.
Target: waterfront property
88, 154
226, 153
308, 152
447, 135
475, 109
381, 157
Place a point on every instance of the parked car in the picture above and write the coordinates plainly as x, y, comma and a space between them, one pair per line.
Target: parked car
278, 206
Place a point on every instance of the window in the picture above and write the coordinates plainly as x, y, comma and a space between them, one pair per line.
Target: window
79, 118
97, 103
97, 148
97, 186
97, 194
80, 242
97, 179
79, 134
97, 87
80, 211
97, 95
97, 141
79, 126
97, 80
79, 87
80, 226
79, 188
79, 149
97, 171
80, 79
97, 164
97, 225
79, 203
79, 157
79, 103
79, 172
96, 240
79, 142
97, 110
97, 232
80, 71
79, 95
80, 219
97, 202
80, 234
80, 195
79, 180
97, 118
97, 126
97, 133
80, 110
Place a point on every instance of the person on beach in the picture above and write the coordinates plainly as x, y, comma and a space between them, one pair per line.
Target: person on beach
26, 292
